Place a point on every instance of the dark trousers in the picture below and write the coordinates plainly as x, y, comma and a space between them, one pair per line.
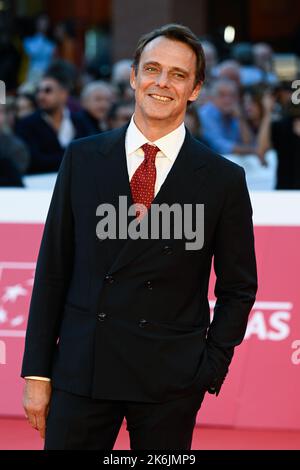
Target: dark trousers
76, 422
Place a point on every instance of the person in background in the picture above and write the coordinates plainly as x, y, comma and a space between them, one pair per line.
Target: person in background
284, 136
120, 113
230, 70
223, 123
250, 73
14, 156
253, 107
263, 59
25, 105
49, 130
69, 74
193, 124
39, 49
283, 97
120, 78
96, 100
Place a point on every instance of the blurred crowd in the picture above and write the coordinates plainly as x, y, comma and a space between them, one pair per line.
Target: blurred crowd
243, 108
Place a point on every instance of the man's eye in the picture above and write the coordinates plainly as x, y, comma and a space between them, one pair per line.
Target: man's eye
151, 69
178, 75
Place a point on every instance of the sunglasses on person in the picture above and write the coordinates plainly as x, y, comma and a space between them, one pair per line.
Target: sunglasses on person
45, 89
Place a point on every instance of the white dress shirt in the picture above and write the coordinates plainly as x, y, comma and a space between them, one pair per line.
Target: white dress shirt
169, 146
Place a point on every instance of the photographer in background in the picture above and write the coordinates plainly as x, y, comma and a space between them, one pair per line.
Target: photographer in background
284, 136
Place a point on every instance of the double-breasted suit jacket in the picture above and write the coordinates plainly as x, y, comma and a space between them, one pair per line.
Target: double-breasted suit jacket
129, 319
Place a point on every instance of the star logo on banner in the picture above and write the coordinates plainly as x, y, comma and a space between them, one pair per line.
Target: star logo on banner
13, 292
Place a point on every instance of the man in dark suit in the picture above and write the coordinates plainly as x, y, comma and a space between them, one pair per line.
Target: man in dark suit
119, 326
48, 131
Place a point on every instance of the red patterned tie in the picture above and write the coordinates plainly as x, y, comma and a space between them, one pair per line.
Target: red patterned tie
143, 181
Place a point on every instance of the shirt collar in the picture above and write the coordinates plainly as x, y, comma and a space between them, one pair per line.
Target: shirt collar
169, 144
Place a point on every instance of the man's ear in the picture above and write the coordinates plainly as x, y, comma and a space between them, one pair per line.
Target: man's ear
196, 91
132, 77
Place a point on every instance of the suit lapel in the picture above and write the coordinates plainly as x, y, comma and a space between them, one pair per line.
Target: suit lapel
180, 186
110, 174
110, 169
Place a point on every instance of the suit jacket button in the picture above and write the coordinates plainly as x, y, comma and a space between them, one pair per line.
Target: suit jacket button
143, 323
108, 278
167, 249
101, 316
149, 285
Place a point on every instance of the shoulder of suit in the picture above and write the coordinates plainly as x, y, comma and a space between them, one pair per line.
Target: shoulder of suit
215, 161
100, 141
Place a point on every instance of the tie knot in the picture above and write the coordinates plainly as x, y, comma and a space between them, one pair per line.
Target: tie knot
150, 151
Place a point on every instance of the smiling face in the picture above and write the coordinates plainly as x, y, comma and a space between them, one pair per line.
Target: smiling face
164, 83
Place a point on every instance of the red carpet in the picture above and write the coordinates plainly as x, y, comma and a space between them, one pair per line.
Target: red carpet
17, 434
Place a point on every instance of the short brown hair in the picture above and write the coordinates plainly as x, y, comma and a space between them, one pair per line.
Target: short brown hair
175, 32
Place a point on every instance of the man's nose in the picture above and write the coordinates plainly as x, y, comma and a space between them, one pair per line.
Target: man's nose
162, 79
